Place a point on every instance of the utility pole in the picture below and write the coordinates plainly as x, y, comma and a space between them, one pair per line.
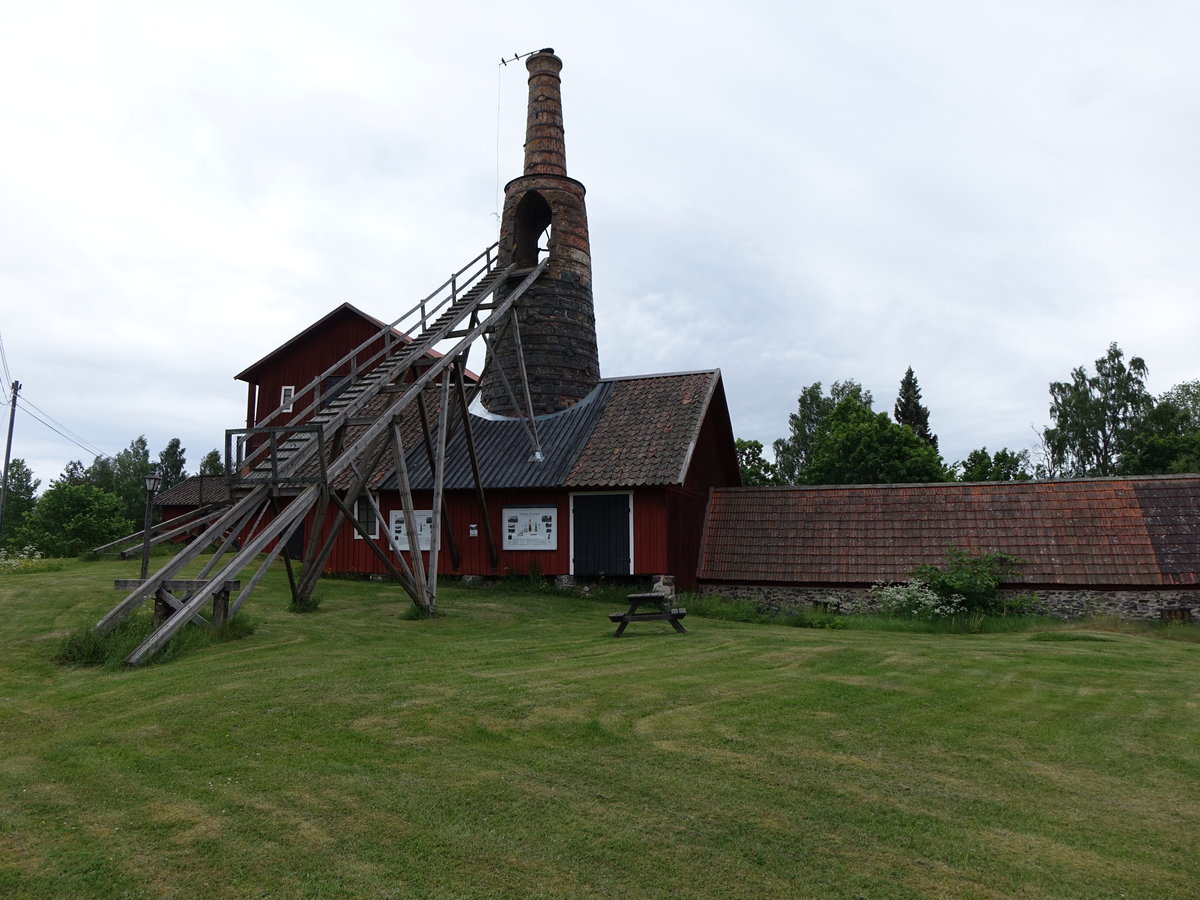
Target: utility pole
12, 415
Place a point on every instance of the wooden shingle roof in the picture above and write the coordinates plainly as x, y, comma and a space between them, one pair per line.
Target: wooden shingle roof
1141, 532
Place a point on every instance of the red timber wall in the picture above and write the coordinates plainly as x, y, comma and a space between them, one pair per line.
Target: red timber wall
310, 355
654, 511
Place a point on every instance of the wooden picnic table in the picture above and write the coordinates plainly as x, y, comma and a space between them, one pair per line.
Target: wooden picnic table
661, 603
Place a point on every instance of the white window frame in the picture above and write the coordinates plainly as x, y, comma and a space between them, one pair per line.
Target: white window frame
287, 395
358, 515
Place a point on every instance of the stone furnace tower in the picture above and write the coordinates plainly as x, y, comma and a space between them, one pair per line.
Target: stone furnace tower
556, 321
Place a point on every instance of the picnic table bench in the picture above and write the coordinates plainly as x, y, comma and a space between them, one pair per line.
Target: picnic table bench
663, 613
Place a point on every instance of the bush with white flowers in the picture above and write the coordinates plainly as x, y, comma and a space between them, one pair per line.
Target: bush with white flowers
916, 600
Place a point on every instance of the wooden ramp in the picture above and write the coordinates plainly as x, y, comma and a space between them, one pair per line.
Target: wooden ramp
285, 469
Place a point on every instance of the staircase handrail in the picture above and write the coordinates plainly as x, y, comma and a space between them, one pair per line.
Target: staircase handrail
423, 311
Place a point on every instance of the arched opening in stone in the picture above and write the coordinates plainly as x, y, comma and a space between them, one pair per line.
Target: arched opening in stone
533, 219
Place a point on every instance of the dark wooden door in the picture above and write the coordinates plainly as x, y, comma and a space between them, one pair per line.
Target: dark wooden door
601, 534
294, 548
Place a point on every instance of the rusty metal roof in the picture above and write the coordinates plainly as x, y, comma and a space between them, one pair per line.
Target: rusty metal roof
1088, 532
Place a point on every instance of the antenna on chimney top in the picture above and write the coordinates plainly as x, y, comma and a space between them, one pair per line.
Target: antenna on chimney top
504, 61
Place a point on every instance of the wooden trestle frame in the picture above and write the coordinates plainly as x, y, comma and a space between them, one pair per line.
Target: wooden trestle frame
279, 473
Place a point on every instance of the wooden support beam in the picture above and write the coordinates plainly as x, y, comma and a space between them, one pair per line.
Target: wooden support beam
314, 565
439, 478
469, 434
265, 565
293, 513
431, 455
419, 596
176, 565
401, 577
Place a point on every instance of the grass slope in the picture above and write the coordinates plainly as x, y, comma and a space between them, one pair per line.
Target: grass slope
512, 748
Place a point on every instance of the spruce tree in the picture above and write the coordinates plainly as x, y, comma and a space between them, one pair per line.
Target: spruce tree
909, 411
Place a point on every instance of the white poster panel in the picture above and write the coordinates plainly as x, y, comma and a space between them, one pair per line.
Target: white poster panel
424, 519
530, 528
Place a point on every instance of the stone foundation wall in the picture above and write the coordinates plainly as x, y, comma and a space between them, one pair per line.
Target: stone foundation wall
1152, 605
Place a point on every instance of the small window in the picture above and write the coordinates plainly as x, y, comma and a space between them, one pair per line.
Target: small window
365, 514
286, 394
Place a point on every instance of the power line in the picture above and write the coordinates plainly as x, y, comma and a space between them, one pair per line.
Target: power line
4, 362
61, 431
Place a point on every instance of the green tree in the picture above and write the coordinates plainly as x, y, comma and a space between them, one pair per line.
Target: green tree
1095, 416
172, 465
756, 471
211, 464
1164, 442
793, 453
124, 475
856, 445
74, 473
1003, 465
72, 518
1185, 396
18, 502
909, 411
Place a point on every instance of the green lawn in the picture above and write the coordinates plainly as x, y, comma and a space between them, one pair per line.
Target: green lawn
513, 748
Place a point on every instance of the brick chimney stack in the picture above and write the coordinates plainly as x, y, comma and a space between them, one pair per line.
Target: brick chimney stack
545, 149
557, 323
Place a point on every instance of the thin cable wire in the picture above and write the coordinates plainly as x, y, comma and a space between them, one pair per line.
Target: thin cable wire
4, 356
61, 429
499, 83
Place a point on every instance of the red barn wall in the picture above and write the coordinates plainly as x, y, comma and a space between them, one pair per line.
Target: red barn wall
651, 542
714, 461
308, 357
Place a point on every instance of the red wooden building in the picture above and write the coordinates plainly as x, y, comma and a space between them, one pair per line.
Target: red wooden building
620, 489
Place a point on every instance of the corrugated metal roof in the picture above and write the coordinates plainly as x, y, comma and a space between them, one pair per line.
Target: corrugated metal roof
1089, 532
504, 447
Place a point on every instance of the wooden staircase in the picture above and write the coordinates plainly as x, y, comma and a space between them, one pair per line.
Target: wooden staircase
281, 472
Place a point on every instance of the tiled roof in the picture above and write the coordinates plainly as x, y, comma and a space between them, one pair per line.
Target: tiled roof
198, 490
627, 432
1091, 532
647, 432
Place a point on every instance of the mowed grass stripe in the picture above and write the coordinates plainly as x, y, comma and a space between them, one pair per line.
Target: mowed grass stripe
513, 748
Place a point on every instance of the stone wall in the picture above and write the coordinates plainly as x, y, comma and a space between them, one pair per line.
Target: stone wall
1144, 605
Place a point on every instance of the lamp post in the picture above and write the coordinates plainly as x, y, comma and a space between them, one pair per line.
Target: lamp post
153, 480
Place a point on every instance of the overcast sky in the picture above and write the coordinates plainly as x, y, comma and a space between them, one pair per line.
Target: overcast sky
990, 192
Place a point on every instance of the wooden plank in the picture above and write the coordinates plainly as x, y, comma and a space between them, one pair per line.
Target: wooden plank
191, 520
434, 369
294, 512
473, 456
404, 580
175, 584
315, 565
431, 455
439, 498
194, 549
410, 518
